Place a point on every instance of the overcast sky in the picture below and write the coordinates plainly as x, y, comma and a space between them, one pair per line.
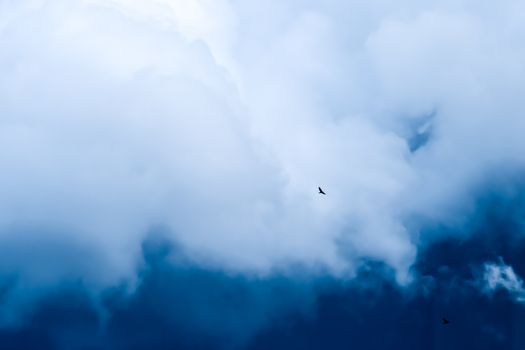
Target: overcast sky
211, 123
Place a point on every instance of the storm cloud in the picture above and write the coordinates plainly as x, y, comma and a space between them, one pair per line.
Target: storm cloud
215, 122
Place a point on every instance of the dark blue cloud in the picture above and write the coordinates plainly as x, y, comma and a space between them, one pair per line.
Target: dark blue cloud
180, 306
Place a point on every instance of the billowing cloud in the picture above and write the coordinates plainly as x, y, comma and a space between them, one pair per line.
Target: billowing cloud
219, 119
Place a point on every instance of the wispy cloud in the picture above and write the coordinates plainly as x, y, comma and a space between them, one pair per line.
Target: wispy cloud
501, 276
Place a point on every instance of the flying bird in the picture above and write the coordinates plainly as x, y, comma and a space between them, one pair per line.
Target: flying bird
321, 191
445, 321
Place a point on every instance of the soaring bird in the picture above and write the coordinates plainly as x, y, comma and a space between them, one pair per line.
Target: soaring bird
445, 321
321, 191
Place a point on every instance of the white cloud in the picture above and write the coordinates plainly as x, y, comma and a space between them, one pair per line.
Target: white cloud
503, 276
219, 119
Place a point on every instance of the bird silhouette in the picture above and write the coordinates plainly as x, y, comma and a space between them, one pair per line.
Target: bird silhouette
445, 321
321, 191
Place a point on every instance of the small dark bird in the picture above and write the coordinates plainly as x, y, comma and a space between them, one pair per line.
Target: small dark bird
445, 321
321, 191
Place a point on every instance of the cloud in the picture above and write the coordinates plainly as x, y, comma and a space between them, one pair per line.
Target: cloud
219, 119
501, 276
179, 305
174, 304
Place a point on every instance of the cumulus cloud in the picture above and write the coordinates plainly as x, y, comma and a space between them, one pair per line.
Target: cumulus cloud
219, 119
502, 276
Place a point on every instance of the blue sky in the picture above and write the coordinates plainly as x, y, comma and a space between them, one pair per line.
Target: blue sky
160, 162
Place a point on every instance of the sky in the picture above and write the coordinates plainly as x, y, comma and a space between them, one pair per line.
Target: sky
160, 161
